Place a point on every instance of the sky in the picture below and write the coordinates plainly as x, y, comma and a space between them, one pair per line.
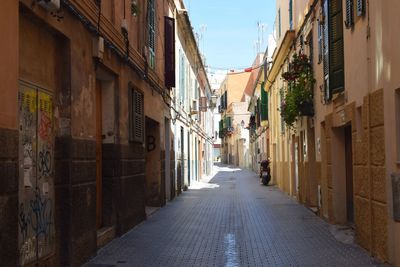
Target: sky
228, 32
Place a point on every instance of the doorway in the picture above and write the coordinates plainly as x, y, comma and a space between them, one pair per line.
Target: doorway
349, 175
99, 167
153, 163
168, 180
342, 175
189, 158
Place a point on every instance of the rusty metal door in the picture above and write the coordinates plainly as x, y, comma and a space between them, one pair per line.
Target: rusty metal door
36, 232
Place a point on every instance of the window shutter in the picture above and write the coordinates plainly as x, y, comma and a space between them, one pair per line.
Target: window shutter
349, 14
136, 116
169, 43
151, 25
229, 119
336, 48
360, 8
258, 111
325, 52
281, 94
320, 41
226, 100
264, 103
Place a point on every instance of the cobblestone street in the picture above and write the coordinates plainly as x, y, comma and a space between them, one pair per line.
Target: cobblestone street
231, 221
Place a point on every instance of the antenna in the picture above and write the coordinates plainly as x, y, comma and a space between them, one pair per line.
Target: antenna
203, 28
261, 27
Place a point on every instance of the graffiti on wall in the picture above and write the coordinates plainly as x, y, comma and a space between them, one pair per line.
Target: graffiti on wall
36, 192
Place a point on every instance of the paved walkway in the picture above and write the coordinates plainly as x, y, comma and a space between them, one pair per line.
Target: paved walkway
231, 221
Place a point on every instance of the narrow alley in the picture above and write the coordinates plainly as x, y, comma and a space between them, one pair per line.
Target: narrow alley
231, 221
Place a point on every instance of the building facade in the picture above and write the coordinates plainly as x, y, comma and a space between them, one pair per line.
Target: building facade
231, 91
192, 107
86, 124
339, 157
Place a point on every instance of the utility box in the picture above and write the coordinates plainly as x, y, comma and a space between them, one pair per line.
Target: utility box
396, 196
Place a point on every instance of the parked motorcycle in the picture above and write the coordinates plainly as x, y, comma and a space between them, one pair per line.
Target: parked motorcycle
265, 172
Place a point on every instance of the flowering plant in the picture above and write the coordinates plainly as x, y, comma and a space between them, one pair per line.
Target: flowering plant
297, 100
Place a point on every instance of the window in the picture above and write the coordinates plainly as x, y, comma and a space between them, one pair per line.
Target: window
333, 48
320, 40
282, 121
136, 115
336, 47
181, 77
264, 103
310, 41
151, 28
325, 52
169, 48
279, 24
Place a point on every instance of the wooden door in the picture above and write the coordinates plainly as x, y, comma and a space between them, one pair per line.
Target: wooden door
99, 142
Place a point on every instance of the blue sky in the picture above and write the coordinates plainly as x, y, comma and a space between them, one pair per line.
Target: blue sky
230, 29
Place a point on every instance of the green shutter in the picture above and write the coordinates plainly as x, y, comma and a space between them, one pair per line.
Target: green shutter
336, 48
258, 111
151, 25
264, 103
229, 121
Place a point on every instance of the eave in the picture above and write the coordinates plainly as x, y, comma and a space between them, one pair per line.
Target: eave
279, 57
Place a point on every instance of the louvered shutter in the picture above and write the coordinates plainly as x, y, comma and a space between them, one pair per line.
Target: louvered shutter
221, 128
264, 103
336, 49
349, 14
258, 111
325, 53
169, 47
226, 100
136, 116
360, 8
320, 41
151, 25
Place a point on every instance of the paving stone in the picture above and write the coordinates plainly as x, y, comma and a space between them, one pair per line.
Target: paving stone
234, 222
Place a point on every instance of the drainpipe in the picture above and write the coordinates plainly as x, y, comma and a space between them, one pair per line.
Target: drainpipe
369, 130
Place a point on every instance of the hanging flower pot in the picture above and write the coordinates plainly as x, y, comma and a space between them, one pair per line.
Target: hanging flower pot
298, 97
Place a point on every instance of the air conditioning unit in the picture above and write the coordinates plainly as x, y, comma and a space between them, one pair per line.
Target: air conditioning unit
98, 47
195, 107
50, 5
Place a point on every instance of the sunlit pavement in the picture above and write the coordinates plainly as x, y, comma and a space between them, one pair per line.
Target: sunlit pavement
231, 221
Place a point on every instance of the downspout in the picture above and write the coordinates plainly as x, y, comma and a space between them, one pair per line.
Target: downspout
369, 130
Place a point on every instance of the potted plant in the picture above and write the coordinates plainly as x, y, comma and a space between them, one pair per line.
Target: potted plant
297, 99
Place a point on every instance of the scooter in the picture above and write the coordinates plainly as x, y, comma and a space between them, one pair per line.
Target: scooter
265, 172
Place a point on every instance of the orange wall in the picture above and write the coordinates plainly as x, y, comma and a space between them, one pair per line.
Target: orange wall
9, 63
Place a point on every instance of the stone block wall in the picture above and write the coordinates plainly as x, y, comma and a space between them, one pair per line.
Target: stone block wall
123, 185
371, 180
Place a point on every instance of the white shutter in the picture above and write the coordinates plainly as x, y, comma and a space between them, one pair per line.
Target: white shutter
360, 8
349, 14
